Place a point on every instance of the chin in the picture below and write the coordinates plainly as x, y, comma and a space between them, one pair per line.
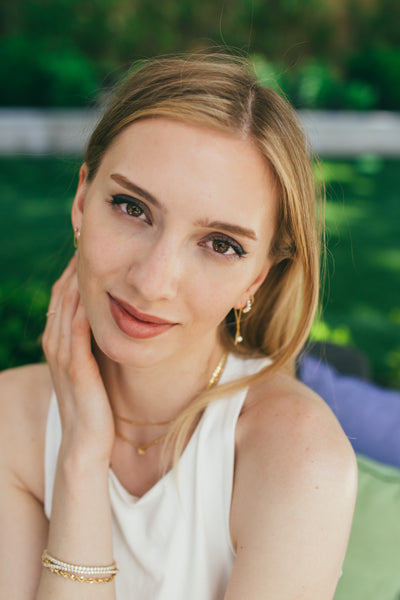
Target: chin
132, 353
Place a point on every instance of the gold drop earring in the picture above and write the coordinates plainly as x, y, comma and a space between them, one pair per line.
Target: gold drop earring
77, 235
238, 316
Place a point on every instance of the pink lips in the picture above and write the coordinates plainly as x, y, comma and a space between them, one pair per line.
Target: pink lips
135, 323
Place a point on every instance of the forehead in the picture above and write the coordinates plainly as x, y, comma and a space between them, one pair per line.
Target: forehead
173, 158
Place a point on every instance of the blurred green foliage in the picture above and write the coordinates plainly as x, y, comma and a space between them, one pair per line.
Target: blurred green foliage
361, 305
331, 54
22, 314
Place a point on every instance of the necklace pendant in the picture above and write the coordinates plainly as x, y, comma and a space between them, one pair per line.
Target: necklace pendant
141, 450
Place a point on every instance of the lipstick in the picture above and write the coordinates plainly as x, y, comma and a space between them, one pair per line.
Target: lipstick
136, 324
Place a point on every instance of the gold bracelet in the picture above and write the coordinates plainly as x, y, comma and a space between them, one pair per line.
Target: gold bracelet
79, 573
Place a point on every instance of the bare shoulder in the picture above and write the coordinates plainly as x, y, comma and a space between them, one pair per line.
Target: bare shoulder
293, 498
283, 416
25, 393
289, 445
24, 400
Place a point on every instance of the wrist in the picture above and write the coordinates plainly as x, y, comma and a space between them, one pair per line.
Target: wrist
80, 463
83, 446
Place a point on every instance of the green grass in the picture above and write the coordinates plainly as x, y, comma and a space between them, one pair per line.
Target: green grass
362, 295
36, 196
35, 201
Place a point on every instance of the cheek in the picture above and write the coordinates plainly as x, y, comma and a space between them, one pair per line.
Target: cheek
98, 250
94, 260
214, 296
211, 299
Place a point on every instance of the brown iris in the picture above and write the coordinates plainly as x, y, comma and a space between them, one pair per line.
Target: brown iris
221, 246
134, 210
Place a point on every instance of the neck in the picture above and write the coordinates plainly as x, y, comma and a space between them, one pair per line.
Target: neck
158, 392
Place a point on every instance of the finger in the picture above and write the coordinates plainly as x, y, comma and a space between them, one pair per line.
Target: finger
70, 268
59, 285
84, 370
81, 346
52, 330
63, 320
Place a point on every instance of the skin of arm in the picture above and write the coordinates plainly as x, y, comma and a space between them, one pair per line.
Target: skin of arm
293, 500
80, 528
80, 499
24, 399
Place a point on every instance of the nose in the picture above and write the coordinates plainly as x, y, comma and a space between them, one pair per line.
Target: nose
156, 271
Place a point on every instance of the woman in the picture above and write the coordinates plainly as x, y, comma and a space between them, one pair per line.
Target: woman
165, 432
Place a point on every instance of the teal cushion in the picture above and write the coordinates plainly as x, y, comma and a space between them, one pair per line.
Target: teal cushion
371, 569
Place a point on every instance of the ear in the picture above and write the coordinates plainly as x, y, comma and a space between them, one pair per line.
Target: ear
79, 200
252, 289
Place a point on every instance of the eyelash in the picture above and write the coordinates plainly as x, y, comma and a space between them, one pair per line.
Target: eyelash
120, 199
237, 248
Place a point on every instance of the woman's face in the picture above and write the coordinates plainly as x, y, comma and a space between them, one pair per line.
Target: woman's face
175, 230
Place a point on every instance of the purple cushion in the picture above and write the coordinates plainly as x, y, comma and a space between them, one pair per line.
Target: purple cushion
369, 415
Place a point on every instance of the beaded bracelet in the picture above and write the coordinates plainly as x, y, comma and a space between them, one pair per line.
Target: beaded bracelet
79, 572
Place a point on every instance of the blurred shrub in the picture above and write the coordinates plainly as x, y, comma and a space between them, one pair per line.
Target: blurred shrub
37, 77
22, 315
322, 332
331, 54
378, 68
317, 84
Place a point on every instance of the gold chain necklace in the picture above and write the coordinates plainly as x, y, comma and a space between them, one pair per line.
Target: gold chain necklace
139, 424
142, 448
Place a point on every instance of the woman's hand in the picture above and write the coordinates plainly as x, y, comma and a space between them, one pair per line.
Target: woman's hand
86, 417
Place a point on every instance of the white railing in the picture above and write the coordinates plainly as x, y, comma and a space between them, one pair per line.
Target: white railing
38, 132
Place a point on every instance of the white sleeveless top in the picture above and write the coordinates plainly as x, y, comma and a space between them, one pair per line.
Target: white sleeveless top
173, 543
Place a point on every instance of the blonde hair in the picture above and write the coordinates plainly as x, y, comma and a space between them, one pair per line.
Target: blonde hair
221, 92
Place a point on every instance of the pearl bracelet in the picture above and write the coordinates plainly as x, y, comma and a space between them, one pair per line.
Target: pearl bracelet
79, 572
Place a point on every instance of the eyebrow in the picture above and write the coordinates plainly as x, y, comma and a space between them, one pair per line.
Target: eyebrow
234, 229
230, 227
129, 185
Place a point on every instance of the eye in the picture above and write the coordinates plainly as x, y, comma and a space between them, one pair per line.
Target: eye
225, 246
132, 207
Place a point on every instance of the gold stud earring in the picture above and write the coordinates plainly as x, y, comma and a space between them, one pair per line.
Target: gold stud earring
77, 235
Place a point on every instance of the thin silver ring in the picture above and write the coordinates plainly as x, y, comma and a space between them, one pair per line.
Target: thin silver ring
51, 312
